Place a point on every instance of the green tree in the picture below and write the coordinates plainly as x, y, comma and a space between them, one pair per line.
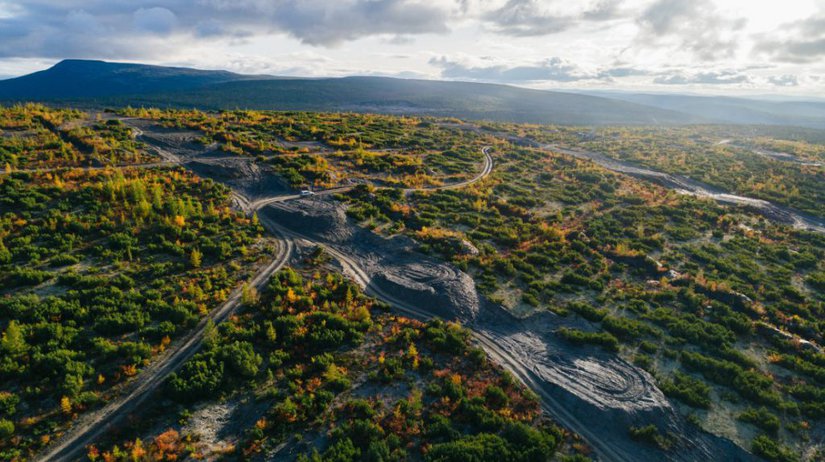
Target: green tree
210, 335
6, 428
241, 358
5, 255
249, 295
271, 334
13, 343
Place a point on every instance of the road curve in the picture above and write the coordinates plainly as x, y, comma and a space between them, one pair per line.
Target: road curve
92, 425
499, 355
485, 172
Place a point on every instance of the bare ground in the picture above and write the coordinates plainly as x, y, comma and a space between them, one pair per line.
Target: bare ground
594, 394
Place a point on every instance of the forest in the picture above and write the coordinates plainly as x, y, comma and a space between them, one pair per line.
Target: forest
99, 271
336, 377
102, 269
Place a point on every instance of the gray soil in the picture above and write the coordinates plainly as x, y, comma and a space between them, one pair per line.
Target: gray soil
393, 264
678, 183
685, 185
785, 157
593, 393
242, 174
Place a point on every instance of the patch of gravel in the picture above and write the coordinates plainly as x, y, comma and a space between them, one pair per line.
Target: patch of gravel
207, 423
393, 264
605, 394
242, 174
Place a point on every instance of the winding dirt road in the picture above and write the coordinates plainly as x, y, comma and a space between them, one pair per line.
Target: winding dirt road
485, 172
91, 426
499, 355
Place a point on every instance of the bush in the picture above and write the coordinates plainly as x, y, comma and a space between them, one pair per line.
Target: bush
241, 358
579, 337
765, 446
761, 418
198, 379
687, 389
650, 434
477, 448
6, 428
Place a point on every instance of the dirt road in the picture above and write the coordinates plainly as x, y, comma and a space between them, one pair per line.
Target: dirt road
485, 171
91, 426
685, 185
495, 345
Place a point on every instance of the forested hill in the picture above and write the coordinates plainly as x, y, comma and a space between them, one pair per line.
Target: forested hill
98, 83
88, 83
80, 79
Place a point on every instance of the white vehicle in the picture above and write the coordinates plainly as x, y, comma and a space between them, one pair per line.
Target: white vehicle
307, 192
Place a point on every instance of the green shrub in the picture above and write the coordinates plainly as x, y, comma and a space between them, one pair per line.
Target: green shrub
6, 428
770, 449
579, 337
761, 418
687, 389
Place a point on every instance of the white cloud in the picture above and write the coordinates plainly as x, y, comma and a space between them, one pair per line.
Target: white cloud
539, 43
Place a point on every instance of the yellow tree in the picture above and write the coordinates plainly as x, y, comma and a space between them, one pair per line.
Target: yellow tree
66, 405
195, 258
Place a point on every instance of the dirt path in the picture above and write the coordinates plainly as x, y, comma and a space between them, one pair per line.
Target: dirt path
91, 426
497, 346
685, 185
490, 345
485, 172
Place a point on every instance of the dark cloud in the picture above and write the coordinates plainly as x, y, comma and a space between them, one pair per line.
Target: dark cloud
694, 25
526, 18
135, 29
320, 22
802, 41
703, 78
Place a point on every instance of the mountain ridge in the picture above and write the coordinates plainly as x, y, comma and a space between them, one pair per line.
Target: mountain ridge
101, 83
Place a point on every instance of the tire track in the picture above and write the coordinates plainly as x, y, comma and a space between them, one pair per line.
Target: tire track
92, 425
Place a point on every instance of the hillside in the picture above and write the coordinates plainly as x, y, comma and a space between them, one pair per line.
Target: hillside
400, 96
79, 79
88, 83
732, 110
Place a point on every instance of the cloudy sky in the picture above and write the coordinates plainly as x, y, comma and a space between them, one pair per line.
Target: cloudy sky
743, 46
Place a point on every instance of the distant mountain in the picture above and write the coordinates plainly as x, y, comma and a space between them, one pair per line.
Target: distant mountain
71, 78
722, 109
98, 83
424, 97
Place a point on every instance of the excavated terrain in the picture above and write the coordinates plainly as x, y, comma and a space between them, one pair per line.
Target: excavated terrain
594, 393
392, 264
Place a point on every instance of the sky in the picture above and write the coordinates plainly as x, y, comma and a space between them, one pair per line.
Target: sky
765, 47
